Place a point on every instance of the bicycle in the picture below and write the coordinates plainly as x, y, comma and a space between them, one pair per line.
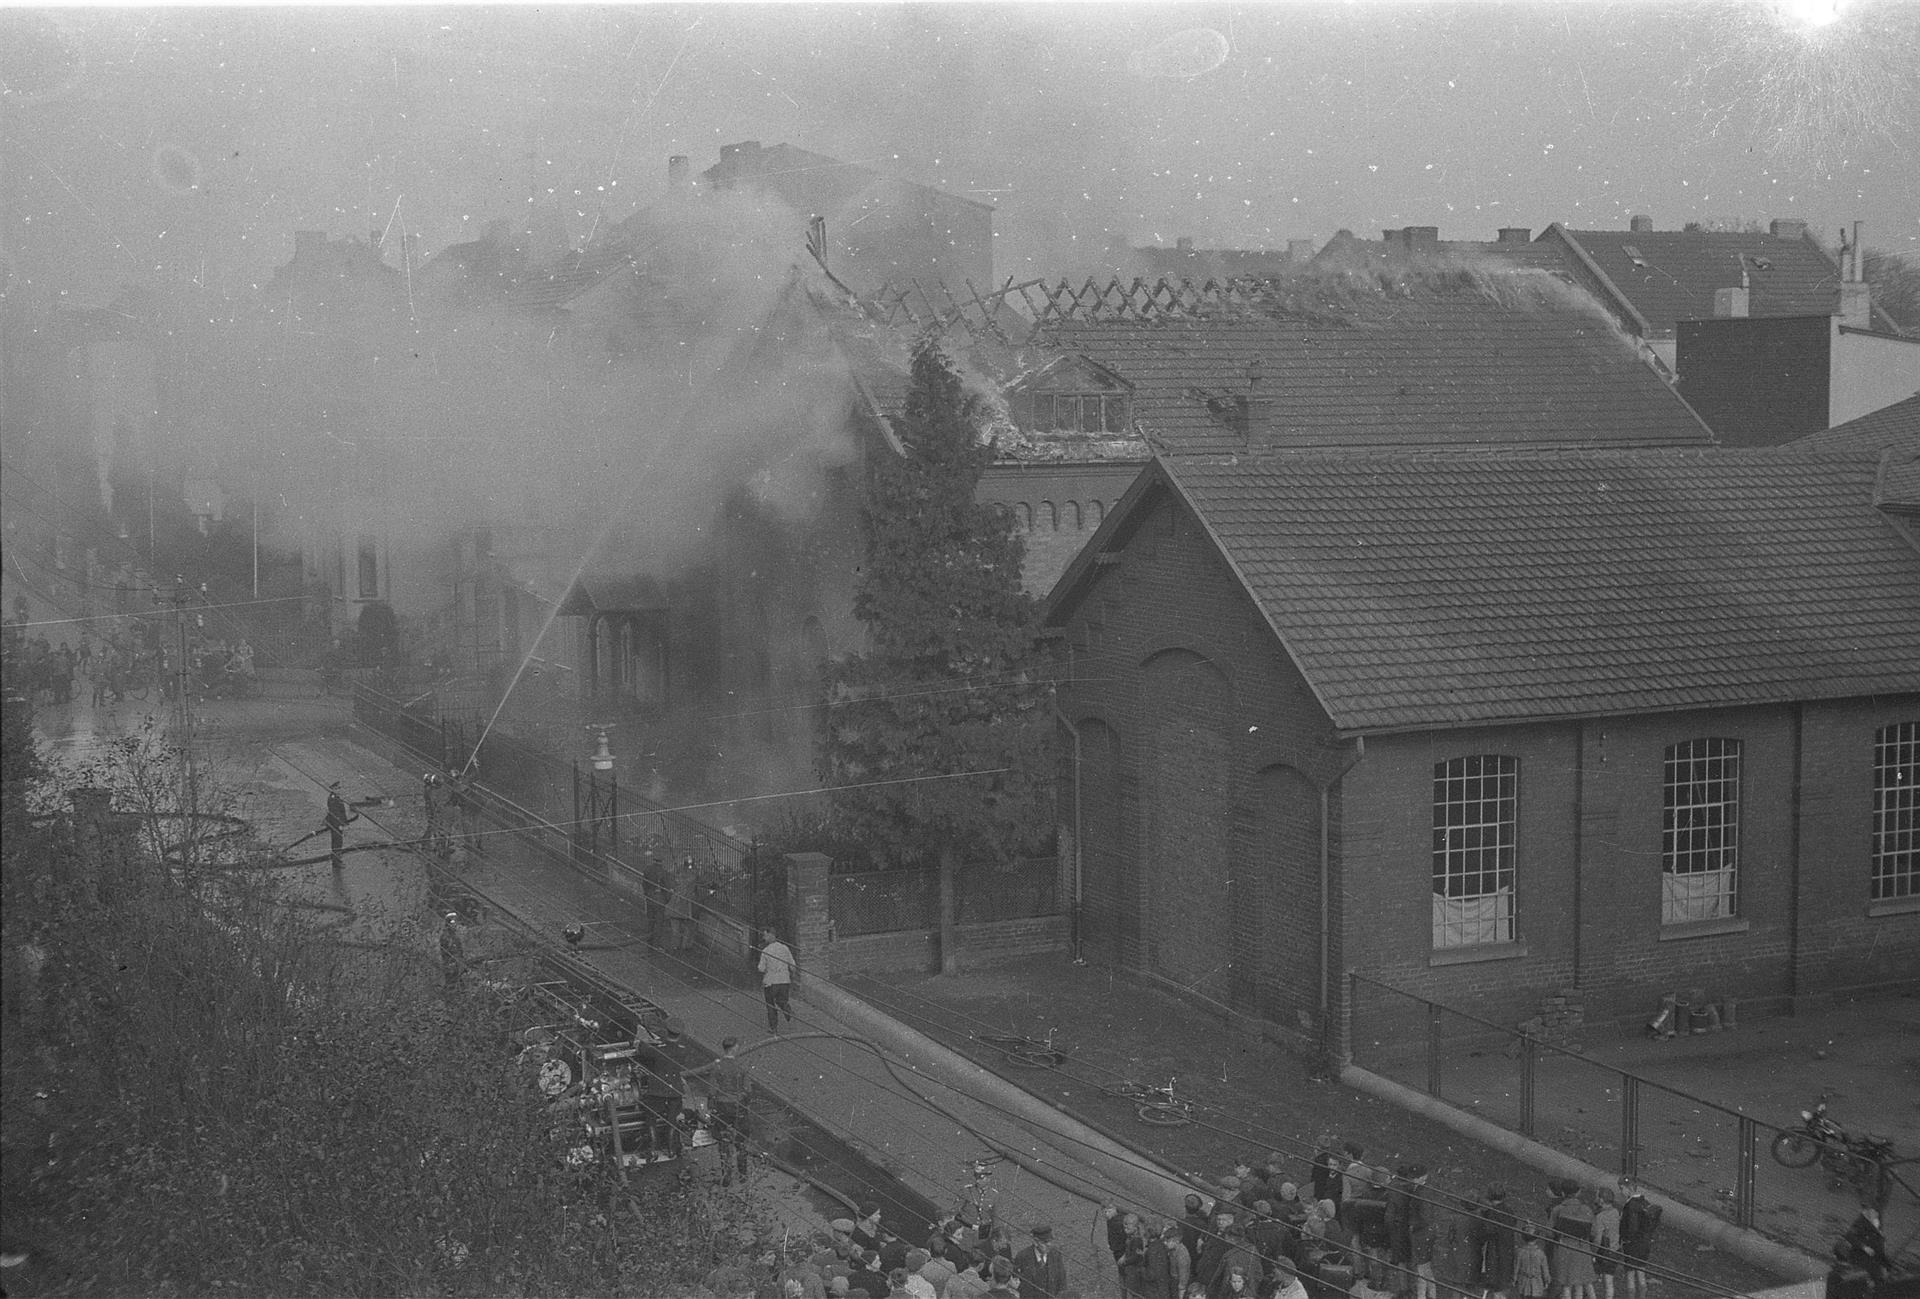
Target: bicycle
1155, 1106
1023, 1051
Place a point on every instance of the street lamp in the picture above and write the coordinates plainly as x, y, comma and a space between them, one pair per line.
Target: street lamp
602, 803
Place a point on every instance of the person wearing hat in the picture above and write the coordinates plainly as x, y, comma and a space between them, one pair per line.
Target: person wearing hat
729, 1093
1570, 1223
658, 1070
1041, 1268
866, 1228
1639, 1221
1327, 1168
680, 906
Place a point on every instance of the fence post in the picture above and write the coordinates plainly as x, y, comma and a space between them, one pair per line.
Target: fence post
1529, 1055
1434, 1011
807, 905
1629, 1125
1743, 1177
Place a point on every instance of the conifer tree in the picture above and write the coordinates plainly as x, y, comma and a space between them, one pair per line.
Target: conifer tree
939, 739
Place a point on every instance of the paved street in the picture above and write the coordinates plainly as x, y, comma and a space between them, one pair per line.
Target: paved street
278, 755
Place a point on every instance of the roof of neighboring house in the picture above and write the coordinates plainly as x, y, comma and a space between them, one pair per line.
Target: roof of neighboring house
1879, 429
1894, 433
1441, 590
1348, 249
1461, 357
1667, 276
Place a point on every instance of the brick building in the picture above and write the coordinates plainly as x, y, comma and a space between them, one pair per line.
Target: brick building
1491, 725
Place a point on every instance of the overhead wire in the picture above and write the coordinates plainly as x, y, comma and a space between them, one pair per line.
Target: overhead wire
747, 1017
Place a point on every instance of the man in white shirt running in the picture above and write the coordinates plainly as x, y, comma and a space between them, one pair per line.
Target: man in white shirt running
776, 978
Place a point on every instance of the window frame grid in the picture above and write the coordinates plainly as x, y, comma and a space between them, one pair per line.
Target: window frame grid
1476, 802
1700, 835
1894, 858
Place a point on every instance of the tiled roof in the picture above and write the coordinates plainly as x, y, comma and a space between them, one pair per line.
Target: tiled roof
1671, 275
1472, 588
1881, 428
1407, 371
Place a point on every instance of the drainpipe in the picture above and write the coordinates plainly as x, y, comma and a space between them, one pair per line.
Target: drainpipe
1326, 885
1073, 914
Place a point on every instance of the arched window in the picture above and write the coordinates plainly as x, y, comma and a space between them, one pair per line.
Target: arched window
1475, 819
1097, 510
1049, 519
1023, 516
1073, 515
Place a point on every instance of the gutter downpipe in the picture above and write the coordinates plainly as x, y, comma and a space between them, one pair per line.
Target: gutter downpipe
1326, 890
1073, 912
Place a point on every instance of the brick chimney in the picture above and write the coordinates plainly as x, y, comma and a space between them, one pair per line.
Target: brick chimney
679, 172
1640, 225
1256, 409
1299, 251
1422, 236
1515, 235
1788, 228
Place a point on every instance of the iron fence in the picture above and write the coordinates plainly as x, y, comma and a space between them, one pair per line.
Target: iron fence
610, 825
888, 901
1711, 1156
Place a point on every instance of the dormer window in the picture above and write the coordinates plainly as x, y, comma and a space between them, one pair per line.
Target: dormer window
1072, 395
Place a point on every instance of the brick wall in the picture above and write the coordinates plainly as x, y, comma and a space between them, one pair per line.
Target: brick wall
977, 946
1203, 758
1757, 382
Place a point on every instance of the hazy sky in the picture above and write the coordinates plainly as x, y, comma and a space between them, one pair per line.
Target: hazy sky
181, 147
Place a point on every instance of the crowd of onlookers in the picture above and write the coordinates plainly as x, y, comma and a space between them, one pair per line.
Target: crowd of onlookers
46, 673
1356, 1228
1346, 1228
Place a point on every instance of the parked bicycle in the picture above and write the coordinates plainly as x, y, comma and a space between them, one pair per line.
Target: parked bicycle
1157, 1107
1025, 1052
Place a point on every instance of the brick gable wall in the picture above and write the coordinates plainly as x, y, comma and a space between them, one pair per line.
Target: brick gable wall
1190, 712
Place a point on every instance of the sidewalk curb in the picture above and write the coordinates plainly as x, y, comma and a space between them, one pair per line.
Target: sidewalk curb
1749, 1246
1159, 1186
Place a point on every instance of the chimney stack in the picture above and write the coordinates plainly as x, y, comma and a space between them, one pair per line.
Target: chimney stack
1640, 225
1299, 251
679, 172
1422, 236
1515, 234
1856, 295
1183, 244
1787, 228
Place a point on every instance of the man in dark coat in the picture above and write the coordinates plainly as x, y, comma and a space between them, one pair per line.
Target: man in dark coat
1491, 1241
338, 819
1041, 1268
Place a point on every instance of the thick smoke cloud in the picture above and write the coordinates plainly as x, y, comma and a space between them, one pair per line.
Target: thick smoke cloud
607, 424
